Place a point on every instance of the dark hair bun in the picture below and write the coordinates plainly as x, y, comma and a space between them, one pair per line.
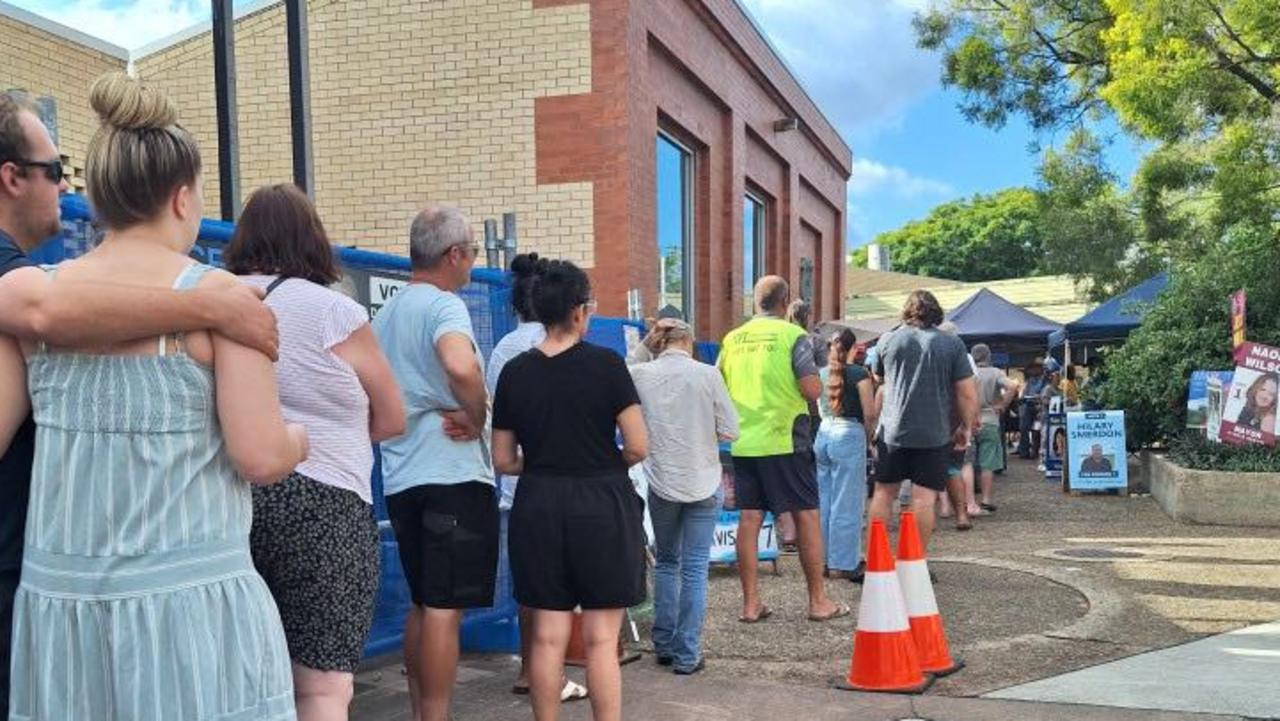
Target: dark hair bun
524, 265
560, 287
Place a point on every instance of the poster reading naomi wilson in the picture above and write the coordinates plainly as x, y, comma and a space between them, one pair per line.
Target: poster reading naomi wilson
1249, 415
1096, 457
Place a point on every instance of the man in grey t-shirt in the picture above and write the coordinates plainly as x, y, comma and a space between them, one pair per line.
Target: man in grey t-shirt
930, 409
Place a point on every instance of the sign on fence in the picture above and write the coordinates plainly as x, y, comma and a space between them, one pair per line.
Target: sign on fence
381, 290
724, 544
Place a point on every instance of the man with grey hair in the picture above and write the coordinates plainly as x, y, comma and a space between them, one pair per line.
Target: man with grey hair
438, 476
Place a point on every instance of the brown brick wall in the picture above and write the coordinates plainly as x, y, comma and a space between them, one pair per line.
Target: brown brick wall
43, 63
547, 107
411, 102
697, 69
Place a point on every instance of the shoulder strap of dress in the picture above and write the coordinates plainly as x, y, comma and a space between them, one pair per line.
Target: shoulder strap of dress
190, 276
186, 280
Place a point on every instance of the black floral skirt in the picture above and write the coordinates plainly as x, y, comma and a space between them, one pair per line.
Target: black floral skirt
317, 548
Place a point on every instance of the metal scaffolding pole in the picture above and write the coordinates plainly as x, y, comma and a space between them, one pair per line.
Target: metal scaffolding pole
224, 75
300, 94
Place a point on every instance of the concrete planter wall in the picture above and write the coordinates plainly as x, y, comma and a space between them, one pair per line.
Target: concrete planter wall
1214, 497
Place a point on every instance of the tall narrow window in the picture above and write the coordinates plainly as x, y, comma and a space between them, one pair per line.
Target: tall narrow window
753, 228
675, 226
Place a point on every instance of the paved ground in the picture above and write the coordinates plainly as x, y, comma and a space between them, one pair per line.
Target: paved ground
1049, 584
1215, 674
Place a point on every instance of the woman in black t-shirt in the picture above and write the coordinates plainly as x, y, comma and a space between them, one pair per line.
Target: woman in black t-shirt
577, 525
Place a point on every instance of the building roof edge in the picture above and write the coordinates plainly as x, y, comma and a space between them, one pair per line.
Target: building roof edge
244, 10
52, 27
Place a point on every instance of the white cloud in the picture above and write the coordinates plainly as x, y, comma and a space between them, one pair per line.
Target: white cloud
872, 177
858, 58
127, 23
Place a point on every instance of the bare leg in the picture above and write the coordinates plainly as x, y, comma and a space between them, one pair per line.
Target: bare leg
438, 661
749, 523
551, 631
922, 502
526, 642
600, 634
786, 529
812, 557
971, 503
882, 502
321, 695
412, 657
955, 491
988, 483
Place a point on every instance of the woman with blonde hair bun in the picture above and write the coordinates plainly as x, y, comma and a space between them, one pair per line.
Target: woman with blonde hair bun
139, 598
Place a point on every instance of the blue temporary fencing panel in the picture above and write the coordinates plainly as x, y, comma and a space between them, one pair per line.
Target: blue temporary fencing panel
371, 278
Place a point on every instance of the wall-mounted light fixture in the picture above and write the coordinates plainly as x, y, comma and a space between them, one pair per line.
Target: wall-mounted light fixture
785, 124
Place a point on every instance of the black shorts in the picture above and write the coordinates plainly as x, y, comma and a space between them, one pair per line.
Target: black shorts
448, 539
925, 467
776, 483
577, 541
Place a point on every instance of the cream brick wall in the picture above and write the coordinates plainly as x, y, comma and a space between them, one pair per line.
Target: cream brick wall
42, 63
411, 103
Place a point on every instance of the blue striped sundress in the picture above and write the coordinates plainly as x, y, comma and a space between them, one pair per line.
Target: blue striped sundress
139, 600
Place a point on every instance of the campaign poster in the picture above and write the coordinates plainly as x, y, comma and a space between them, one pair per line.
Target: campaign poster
724, 543
1055, 446
1204, 400
1249, 414
1237, 318
1096, 455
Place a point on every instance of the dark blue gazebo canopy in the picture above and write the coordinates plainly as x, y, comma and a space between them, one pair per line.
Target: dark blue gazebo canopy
1114, 319
985, 317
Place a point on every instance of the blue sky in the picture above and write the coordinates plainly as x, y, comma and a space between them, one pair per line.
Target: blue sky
858, 59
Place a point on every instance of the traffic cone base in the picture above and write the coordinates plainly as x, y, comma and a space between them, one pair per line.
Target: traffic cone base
927, 632
881, 662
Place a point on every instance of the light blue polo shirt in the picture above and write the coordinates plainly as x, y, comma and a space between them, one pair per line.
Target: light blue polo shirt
408, 329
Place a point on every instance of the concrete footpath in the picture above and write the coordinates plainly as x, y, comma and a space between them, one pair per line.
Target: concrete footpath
654, 694
1229, 673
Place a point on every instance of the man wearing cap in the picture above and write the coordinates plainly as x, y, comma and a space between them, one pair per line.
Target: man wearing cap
995, 392
769, 369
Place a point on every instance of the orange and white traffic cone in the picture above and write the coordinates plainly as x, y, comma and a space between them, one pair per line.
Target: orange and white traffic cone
884, 655
922, 606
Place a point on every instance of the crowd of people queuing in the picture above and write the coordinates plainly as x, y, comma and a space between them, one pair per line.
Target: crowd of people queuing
186, 529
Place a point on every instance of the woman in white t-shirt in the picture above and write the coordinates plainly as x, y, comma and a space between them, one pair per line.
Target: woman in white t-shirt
314, 537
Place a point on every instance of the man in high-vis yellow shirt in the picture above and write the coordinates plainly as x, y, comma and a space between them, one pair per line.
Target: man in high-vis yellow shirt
769, 368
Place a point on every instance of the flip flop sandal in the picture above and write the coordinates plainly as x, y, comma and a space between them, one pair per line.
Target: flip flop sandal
841, 611
764, 613
964, 526
520, 690
987, 507
572, 691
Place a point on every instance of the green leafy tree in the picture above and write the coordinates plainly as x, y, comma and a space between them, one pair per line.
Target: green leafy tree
986, 237
1188, 329
1200, 81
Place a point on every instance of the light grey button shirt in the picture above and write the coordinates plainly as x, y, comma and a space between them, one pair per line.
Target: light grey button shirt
688, 412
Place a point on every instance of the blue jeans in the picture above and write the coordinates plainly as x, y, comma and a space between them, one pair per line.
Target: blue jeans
683, 533
842, 490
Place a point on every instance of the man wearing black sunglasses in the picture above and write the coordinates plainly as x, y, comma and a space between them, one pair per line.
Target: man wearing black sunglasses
67, 313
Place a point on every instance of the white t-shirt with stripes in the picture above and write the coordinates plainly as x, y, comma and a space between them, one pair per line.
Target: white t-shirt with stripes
318, 389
